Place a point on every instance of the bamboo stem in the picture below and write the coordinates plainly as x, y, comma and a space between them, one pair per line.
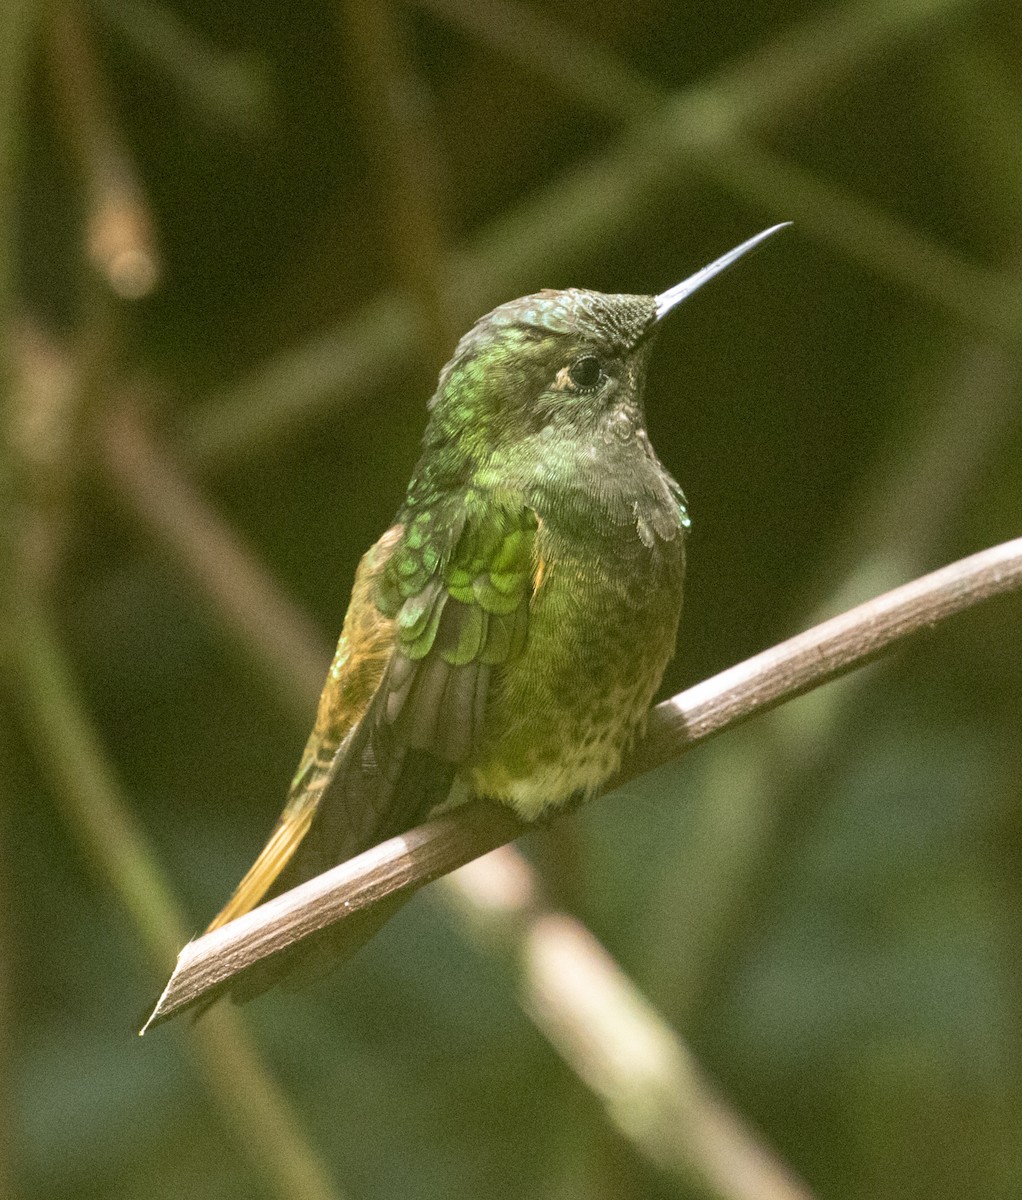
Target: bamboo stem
422, 855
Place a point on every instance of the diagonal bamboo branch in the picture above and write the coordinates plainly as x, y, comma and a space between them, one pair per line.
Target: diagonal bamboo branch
746, 823
406, 863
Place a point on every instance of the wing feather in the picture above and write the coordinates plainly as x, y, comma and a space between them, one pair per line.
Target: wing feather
439, 604
360, 662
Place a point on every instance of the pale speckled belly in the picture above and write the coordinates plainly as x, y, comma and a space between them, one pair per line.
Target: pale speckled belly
602, 628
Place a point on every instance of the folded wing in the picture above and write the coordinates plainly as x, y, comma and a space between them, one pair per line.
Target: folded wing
439, 606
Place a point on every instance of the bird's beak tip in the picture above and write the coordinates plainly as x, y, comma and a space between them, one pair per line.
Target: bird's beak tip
670, 299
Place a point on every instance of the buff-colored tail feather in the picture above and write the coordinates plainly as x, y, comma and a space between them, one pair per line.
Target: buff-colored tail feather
275, 856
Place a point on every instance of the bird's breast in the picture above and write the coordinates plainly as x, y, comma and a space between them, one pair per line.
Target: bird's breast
602, 627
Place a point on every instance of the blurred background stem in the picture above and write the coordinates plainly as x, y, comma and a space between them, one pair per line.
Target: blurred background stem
585, 207
100, 818
16, 20
40, 679
395, 119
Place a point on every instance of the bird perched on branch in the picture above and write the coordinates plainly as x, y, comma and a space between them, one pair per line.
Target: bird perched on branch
506, 634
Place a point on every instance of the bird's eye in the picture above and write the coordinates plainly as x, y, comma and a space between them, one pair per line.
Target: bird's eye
585, 373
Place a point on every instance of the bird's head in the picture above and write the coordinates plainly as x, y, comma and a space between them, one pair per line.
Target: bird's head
559, 360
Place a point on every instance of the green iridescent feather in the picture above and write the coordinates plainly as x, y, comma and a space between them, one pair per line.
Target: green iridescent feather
474, 579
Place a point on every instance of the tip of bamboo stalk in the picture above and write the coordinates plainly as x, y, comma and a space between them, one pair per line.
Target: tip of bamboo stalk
165, 1006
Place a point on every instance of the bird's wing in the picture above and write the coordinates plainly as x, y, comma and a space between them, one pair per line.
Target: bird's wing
437, 605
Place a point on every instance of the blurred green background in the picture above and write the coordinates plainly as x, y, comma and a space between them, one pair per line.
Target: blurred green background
825, 905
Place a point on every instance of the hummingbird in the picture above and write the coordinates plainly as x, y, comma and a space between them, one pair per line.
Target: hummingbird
506, 635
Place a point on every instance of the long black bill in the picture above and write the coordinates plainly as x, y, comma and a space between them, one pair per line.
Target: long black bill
681, 291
